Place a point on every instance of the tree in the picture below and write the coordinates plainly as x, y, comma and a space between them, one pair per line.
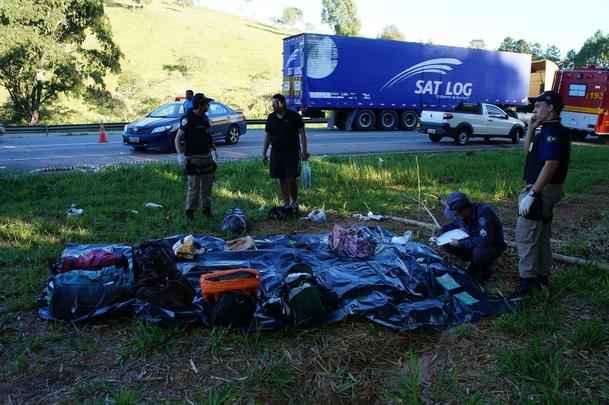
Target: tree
536, 50
341, 15
512, 45
569, 61
290, 16
507, 45
553, 53
595, 51
391, 32
477, 44
48, 48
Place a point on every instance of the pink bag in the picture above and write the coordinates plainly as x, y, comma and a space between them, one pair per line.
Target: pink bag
355, 242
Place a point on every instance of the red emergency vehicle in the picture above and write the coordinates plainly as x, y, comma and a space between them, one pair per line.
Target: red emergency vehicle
585, 93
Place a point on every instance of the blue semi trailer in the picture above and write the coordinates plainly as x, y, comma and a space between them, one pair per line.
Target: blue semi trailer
382, 84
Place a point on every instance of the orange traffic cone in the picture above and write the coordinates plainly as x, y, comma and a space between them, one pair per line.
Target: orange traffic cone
103, 138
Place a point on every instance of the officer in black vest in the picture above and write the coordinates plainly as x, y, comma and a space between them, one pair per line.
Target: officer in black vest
195, 145
548, 149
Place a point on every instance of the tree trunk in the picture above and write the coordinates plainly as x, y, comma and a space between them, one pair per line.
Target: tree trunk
34, 117
35, 104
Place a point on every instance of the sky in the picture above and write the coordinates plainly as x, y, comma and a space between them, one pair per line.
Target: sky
452, 22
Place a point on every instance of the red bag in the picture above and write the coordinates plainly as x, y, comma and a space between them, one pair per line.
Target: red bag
93, 260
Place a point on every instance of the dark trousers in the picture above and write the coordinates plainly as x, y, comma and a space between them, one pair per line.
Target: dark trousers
481, 259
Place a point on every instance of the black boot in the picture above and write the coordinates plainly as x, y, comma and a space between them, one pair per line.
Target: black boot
525, 288
207, 212
190, 214
543, 281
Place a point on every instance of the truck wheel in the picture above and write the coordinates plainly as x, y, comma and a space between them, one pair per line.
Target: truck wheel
387, 120
435, 138
365, 120
408, 120
462, 137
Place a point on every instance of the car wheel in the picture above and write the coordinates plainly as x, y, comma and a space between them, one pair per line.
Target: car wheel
435, 137
516, 135
487, 139
579, 135
365, 120
408, 120
172, 145
388, 120
462, 137
232, 136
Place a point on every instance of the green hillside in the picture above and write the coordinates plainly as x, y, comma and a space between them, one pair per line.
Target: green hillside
168, 49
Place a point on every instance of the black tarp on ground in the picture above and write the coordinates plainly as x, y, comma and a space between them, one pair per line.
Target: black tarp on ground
402, 287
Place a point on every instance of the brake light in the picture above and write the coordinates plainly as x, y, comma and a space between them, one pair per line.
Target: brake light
447, 116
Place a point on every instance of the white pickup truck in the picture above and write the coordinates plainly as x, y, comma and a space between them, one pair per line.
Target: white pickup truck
471, 120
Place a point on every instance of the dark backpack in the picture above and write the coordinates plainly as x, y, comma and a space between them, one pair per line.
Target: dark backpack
233, 309
304, 297
157, 278
235, 222
80, 293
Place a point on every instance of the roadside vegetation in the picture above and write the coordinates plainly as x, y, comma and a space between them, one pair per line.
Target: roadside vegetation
551, 350
167, 49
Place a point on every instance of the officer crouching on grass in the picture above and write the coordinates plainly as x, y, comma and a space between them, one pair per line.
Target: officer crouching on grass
195, 155
485, 243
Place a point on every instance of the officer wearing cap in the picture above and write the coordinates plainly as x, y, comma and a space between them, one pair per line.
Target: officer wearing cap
194, 145
485, 242
547, 148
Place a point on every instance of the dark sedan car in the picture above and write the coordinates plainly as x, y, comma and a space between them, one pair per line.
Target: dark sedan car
159, 128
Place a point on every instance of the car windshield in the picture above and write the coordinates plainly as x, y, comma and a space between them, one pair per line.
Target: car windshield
170, 110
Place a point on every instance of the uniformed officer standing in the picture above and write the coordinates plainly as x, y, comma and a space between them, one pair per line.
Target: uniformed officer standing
187, 104
485, 243
196, 155
547, 152
286, 134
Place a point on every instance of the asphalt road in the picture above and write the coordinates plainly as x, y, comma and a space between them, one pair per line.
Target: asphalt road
29, 152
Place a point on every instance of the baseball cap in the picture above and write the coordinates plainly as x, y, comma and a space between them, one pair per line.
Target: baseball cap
550, 97
457, 201
199, 98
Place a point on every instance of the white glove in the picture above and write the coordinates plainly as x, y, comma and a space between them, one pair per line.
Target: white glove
214, 155
525, 204
433, 240
181, 160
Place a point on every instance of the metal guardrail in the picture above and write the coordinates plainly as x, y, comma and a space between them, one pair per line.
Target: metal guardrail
115, 126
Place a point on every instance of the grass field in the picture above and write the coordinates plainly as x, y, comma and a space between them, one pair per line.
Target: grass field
553, 350
169, 49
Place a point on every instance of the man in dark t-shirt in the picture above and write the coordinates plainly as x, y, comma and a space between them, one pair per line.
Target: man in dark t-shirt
286, 135
548, 149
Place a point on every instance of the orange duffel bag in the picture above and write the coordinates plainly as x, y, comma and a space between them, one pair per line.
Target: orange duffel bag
216, 283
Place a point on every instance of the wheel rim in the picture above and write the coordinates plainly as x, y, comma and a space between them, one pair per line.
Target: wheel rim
388, 120
365, 120
234, 135
463, 137
409, 120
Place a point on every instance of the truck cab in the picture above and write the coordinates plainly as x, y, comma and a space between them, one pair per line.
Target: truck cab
470, 120
585, 93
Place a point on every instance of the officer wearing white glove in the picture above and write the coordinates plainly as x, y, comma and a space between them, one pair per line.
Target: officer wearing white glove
547, 148
525, 203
